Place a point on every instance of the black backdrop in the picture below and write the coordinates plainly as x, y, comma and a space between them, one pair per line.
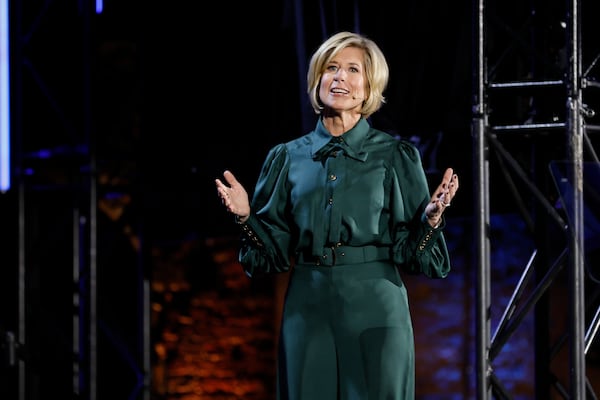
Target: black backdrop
223, 84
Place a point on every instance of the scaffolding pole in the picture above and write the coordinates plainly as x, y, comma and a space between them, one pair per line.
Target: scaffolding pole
487, 384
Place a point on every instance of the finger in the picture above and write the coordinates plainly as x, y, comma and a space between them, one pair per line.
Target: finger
220, 186
447, 178
445, 201
453, 187
455, 182
230, 178
444, 184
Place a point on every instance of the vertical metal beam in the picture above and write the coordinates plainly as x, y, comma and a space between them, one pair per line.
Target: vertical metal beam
577, 260
22, 279
76, 345
92, 200
482, 211
147, 339
93, 288
16, 130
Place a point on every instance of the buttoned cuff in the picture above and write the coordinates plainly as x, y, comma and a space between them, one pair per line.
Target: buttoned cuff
429, 234
249, 229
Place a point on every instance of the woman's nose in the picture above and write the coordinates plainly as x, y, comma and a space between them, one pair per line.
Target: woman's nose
340, 74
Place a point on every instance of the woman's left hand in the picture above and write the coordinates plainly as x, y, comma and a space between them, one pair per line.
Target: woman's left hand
442, 197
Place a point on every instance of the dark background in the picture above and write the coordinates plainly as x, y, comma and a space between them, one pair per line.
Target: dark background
224, 95
122, 121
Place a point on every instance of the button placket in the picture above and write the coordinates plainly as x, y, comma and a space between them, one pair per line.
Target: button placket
336, 173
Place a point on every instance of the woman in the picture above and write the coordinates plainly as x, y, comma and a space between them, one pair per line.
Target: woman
349, 207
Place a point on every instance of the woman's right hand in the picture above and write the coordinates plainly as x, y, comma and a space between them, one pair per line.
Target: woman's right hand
233, 196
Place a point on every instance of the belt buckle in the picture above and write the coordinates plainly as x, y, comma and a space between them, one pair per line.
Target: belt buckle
333, 256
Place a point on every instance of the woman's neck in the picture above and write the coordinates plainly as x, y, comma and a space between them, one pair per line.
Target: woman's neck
338, 124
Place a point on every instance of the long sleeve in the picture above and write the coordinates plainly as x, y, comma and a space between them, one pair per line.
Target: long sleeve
417, 247
266, 234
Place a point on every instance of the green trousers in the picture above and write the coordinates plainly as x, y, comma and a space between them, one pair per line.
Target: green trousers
346, 334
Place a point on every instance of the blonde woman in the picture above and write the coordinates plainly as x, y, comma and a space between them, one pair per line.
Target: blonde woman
348, 206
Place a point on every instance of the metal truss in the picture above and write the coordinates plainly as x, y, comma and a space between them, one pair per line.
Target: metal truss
532, 112
63, 334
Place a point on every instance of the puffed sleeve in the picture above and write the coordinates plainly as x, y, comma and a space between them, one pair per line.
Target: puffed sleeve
266, 233
417, 247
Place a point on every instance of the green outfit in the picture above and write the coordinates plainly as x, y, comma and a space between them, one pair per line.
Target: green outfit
348, 214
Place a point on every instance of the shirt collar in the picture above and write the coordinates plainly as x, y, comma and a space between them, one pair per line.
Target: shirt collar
352, 141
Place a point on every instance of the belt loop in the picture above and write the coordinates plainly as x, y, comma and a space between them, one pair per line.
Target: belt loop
333, 255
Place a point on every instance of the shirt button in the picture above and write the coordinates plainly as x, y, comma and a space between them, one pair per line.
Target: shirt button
332, 177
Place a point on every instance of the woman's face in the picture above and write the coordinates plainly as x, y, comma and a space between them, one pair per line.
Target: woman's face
343, 83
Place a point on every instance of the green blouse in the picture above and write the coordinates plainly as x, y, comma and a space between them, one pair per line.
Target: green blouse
364, 188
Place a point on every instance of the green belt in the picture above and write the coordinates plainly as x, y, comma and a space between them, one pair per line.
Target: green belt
344, 255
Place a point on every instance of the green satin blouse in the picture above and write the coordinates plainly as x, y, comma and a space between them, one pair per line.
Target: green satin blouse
364, 188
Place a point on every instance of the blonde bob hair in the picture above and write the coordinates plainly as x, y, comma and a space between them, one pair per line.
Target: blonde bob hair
376, 69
